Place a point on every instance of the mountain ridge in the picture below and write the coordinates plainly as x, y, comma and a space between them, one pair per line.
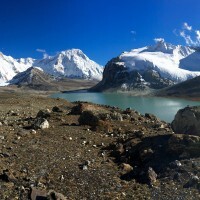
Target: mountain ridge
71, 63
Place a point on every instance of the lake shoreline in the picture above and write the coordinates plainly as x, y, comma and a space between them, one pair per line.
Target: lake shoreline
164, 108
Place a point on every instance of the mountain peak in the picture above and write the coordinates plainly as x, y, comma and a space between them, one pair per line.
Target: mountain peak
73, 51
72, 63
162, 46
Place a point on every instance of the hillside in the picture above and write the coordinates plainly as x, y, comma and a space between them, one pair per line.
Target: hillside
189, 88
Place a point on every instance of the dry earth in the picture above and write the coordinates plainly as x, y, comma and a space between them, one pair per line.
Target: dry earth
89, 151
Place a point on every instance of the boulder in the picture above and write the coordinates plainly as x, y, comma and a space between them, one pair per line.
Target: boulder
88, 118
187, 121
98, 117
41, 123
57, 109
44, 114
187, 145
37, 194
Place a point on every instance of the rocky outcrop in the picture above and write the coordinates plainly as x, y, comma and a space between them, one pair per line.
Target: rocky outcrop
187, 121
117, 76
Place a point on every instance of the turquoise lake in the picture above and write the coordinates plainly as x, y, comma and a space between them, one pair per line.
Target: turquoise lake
163, 108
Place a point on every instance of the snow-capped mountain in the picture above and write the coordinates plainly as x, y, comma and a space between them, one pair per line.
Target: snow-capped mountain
156, 66
72, 64
177, 63
9, 67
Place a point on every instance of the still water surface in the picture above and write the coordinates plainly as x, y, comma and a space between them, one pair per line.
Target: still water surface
163, 108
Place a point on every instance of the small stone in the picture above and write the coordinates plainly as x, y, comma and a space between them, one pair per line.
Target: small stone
150, 151
70, 138
33, 132
5, 122
62, 178
22, 188
126, 167
162, 126
2, 137
123, 194
175, 164
152, 176
85, 167
178, 163
87, 162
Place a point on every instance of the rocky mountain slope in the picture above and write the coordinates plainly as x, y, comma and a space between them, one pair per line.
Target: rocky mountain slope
70, 63
34, 78
153, 67
189, 88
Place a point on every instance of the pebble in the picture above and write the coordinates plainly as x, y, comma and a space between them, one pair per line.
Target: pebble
2, 137
85, 167
62, 178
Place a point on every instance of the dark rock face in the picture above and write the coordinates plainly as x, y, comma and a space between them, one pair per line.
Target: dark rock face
187, 121
117, 76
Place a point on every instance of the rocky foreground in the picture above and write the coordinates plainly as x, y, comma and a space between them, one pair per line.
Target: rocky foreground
53, 149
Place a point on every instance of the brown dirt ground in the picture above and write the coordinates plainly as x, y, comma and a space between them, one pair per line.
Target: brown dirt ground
53, 158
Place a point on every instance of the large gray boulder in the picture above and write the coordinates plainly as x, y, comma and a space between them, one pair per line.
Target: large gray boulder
187, 121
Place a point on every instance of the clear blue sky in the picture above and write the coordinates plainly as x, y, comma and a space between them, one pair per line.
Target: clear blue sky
101, 28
